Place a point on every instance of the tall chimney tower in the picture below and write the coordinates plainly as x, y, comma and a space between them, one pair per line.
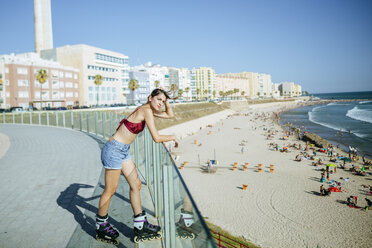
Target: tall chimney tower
43, 25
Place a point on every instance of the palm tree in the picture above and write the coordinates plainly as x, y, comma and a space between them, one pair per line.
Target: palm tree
306, 93
258, 94
242, 93
41, 77
197, 93
173, 89
1, 79
205, 93
180, 92
187, 89
133, 85
214, 93
157, 84
98, 81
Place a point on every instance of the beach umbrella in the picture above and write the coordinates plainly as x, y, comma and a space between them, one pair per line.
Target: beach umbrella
331, 165
346, 159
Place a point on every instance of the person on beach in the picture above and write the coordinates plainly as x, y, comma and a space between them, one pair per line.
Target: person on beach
116, 159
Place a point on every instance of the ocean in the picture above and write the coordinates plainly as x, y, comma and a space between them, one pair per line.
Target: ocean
341, 123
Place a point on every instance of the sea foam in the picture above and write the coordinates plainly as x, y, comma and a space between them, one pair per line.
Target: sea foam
360, 114
312, 115
364, 102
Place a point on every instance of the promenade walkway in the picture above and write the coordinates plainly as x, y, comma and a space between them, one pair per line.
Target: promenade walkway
50, 183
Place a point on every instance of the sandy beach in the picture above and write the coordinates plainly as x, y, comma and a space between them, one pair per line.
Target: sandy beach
280, 209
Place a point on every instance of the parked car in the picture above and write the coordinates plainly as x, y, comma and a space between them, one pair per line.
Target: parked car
16, 109
61, 108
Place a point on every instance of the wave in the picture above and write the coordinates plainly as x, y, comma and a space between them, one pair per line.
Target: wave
311, 118
360, 114
338, 104
364, 102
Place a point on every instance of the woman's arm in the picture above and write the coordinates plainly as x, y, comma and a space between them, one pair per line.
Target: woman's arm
149, 118
167, 114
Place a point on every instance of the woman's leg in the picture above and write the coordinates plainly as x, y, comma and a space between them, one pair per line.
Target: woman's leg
130, 173
111, 183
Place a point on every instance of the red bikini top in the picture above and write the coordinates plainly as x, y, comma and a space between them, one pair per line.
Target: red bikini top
135, 128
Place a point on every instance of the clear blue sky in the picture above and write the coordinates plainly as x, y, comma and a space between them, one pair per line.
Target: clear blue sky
324, 45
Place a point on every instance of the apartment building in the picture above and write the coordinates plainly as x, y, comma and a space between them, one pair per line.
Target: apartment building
157, 73
184, 80
92, 61
21, 89
203, 83
139, 95
230, 81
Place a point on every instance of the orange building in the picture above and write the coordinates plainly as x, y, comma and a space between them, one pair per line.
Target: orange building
21, 89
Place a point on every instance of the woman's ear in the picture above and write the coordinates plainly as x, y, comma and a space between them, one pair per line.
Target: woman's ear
149, 98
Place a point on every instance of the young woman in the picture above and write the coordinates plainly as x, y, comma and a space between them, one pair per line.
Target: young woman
116, 160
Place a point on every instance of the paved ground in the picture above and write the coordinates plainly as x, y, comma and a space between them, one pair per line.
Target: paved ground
50, 183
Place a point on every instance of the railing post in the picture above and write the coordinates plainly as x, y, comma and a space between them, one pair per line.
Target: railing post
103, 124
81, 121
39, 118
4, 117
22, 117
87, 121
72, 120
146, 146
31, 118
64, 119
168, 210
56, 118
13, 118
110, 123
95, 121
47, 118
155, 185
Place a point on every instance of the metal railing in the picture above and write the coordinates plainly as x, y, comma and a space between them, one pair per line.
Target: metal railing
168, 191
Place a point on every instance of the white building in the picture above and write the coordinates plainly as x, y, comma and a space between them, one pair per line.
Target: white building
92, 61
157, 74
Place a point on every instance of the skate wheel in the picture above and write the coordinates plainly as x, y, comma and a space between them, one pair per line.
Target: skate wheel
137, 240
183, 237
192, 236
151, 238
159, 235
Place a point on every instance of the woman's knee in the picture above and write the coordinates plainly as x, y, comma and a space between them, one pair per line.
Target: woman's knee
136, 186
110, 191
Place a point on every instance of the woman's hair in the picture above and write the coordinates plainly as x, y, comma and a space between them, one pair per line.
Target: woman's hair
158, 91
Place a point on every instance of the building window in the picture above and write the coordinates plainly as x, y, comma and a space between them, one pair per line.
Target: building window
76, 85
62, 94
6, 70
22, 71
54, 74
61, 74
7, 94
90, 96
69, 94
69, 85
22, 82
76, 94
7, 82
68, 75
61, 84
55, 95
55, 84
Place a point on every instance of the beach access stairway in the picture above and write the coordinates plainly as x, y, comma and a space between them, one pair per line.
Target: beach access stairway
163, 192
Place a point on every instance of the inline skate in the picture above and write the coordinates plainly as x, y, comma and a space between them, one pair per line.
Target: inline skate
105, 232
184, 227
143, 230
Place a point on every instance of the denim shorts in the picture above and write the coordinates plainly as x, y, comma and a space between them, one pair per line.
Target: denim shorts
114, 153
